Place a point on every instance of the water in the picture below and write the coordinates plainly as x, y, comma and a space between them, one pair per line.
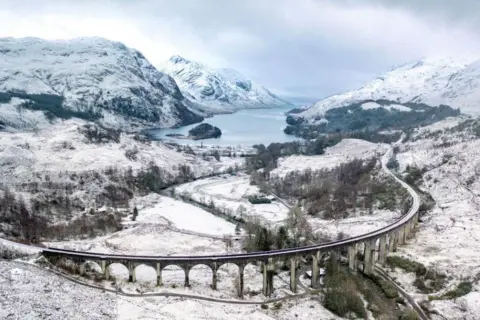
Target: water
245, 127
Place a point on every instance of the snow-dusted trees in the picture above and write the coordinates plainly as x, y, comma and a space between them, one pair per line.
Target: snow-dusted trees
298, 228
342, 191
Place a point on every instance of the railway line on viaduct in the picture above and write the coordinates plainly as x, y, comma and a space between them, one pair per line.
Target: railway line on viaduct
374, 245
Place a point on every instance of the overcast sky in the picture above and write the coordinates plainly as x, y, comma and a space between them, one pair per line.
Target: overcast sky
297, 48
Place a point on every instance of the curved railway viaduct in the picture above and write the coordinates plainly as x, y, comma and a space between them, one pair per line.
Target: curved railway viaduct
374, 245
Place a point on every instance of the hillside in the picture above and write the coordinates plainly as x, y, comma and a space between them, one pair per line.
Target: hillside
451, 81
218, 90
368, 116
88, 78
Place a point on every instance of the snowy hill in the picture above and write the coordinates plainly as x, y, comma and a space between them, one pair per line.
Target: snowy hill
453, 81
218, 90
90, 78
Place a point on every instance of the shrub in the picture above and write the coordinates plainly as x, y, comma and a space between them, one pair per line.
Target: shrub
409, 314
257, 199
131, 154
419, 283
343, 302
462, 289
388, 289
264, 306
97, 134
407, 265
400, 300
277, 305
413, 175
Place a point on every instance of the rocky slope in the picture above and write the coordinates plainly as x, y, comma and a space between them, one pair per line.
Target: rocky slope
453, 81
90, 78
218, 90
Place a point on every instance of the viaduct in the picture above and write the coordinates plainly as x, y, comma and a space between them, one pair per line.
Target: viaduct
375, 246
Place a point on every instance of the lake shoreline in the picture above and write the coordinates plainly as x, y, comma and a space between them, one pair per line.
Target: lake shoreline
246, 127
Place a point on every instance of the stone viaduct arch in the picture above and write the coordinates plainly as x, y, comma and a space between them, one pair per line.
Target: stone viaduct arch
373, 246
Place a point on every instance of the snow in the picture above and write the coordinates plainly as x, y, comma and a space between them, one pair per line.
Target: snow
186, 216
61, 151
30, 293
442, 125
218, 90
346, 150
14, 115
453, 81
148, 239
354, 226
374, 105
93, 73
17, 249
229, 194
447, 240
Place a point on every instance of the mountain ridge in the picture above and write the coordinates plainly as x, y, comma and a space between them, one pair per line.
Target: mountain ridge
91, 73
453, 81
221, 90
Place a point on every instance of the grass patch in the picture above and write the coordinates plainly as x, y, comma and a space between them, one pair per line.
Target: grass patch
409, 314
462, 289
388, 289
427, 281
407, 265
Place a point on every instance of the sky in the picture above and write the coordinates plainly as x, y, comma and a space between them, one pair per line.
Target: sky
303, 50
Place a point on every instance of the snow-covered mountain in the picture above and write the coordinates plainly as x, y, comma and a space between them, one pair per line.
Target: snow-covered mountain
218, 90
453, 81
90, 77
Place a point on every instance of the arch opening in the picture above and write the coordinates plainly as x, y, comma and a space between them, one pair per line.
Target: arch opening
252, 279
117, 272
145, 273
228, 278
201, 275
173, 276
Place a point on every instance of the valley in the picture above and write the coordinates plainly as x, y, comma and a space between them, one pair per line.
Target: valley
363, 207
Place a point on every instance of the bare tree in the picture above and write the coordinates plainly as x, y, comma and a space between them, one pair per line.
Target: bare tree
299, 227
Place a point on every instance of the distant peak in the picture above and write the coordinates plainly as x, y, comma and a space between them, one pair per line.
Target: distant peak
178, 59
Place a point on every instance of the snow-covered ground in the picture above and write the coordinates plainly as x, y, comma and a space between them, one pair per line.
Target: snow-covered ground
374, 105
63, 148
229, 193
449, 235
354, 226
167, 227
43, 164
346, 150
30, 293
183, 216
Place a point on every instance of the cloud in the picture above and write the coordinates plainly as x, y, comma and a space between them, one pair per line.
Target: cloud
305, 47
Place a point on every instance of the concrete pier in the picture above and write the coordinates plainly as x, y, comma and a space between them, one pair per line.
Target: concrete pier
382, 250
352, 257
369, 257
315, 270
241, 268
159, 274
293, 275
